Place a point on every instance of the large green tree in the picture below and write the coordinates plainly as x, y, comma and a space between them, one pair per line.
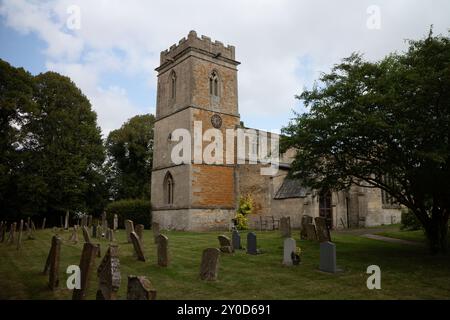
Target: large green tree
130, 154
52, 152
385, 125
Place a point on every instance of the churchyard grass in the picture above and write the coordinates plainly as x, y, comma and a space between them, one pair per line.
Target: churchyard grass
407, 272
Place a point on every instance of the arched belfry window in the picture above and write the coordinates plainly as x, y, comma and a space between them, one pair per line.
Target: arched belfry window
173, 85
214, 84
168, 188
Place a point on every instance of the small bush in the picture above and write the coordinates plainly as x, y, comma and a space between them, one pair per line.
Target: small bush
245, 208
137, 210
241, 222
410, 221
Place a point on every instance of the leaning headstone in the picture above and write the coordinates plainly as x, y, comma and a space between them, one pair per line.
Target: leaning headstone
129, 228
251, 243
155, 230
140, 288
311, 233
109, 275
285, 227
289, 248
138, 249
209, 268
323, 233
66, 221
43, 223
236, 240
163, 250
86, 236
12, 234
74, 235
30, 231
225, 244
116, 222
87, 260
52, 264
19, 235
328, 257
139, 229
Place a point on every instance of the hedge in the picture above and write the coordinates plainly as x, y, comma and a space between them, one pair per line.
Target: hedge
137, 210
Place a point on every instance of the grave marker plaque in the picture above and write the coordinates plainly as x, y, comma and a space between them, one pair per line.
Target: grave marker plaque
236, 240
52, 264
251, 243
163, 250
328, 257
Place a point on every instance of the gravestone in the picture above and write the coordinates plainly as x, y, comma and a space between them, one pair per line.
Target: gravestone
163, 250
236, 240
289, 248
129, 228
90, 251
89, 221
156, 231
111, 235
116, 222
33, 226
19, 235
74, 235
30, 231
285, 227
311, 232
12, 234
94, 231
66, 221
104, 222
209, 268
43, 223
52, 264
328, 257
86, 236
323, 233
108, 274
139, 229
251, 243
225, 244
140, 288
305, 220
138, 249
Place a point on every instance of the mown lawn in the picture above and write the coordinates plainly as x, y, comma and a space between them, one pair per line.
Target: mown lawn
408, 272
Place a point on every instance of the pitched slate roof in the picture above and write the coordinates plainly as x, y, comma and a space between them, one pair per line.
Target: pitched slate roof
291, 188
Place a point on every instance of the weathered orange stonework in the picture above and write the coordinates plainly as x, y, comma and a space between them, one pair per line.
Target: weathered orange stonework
213, 186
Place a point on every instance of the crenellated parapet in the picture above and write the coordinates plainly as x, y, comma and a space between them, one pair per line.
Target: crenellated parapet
204, 44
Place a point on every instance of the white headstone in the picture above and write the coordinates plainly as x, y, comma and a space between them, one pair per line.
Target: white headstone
289, 247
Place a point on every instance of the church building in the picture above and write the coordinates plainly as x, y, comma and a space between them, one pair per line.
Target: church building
198, 92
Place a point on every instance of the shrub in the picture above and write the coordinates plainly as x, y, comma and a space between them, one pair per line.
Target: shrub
245, 208
137, 210
410, 221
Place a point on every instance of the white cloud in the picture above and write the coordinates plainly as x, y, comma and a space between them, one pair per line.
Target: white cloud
270, 38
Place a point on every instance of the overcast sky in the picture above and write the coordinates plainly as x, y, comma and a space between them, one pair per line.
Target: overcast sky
282, 45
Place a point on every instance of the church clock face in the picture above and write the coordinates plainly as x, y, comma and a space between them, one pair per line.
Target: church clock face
216, 121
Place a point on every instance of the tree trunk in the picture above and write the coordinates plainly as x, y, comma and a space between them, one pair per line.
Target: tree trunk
436, 230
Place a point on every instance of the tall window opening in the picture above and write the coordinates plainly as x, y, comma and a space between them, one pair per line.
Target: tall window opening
173, 85
168, 188
214, 84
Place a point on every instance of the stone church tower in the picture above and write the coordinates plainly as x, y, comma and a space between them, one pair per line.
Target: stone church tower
197, 82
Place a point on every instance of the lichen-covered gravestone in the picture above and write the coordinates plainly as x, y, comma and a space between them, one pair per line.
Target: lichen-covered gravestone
52, 264
236, 240
90, 251
328, 257
156, 231
225, 244
251, 243
289, 247
323, 233
311, 233
138, 249
116, 222
12, 234
129, 228
209, 268
305, 220
139, 229
109, 275
140, 288
163, 250
285, 227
